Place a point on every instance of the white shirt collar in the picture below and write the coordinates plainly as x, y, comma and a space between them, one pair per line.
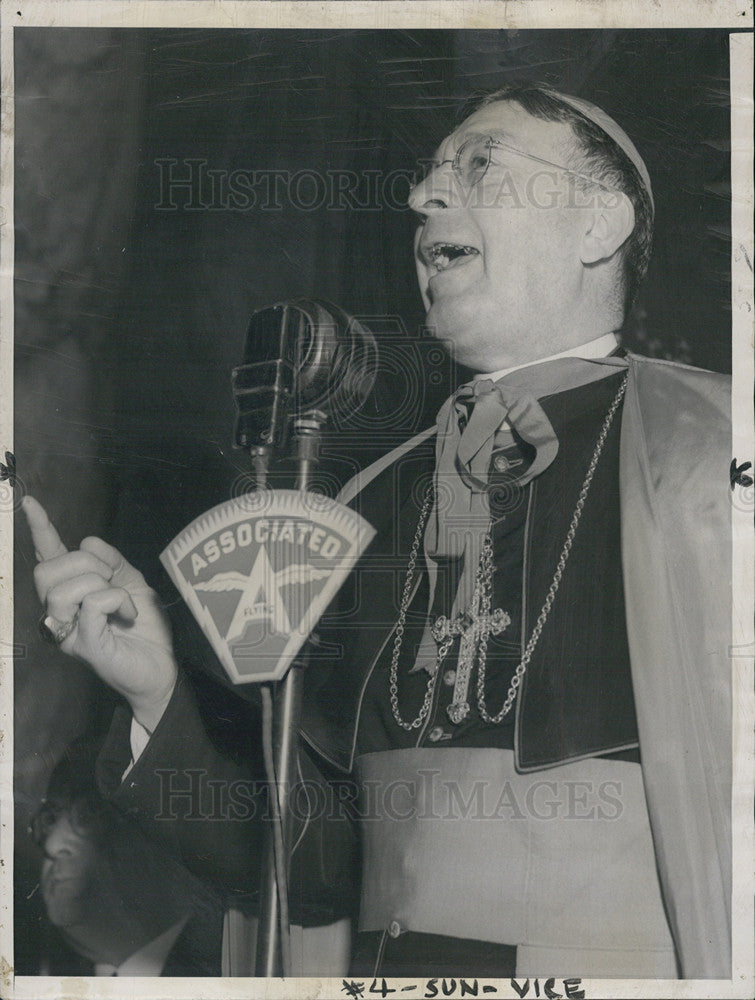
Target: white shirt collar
601, 347
148, 960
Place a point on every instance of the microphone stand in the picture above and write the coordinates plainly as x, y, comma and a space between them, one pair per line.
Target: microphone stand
286, 717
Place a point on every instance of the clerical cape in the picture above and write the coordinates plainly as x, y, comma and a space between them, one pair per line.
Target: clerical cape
675, 450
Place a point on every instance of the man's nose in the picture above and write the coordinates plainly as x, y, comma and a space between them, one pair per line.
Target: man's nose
437, 191
60, 841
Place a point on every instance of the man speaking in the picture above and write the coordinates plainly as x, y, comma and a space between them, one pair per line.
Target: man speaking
540, 707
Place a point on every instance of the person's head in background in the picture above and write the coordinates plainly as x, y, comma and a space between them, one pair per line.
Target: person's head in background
111, 892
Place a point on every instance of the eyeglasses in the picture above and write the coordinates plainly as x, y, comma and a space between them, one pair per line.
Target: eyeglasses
472, 159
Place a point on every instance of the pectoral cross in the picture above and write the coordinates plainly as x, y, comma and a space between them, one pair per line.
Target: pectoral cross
471, 626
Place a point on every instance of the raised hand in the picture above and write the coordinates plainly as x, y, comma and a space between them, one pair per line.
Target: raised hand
118, 628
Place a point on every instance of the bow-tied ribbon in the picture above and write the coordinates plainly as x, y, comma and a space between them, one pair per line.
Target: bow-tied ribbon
460, 518
494, 405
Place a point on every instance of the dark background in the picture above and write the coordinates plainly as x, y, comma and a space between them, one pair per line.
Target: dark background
130, 316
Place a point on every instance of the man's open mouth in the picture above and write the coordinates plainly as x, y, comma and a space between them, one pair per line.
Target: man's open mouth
444, 255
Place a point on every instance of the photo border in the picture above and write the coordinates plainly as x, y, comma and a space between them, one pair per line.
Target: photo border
439, 15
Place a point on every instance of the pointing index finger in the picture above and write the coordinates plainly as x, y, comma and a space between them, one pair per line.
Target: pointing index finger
47, 543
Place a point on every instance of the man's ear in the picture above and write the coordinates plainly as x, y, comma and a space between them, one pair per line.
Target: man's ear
609, 225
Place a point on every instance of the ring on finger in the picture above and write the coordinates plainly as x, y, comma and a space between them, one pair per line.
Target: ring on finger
53, 631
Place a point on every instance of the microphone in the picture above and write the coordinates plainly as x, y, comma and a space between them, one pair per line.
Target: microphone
258, 570
302, 358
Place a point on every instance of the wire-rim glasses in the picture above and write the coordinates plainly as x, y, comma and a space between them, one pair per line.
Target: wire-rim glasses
471, 161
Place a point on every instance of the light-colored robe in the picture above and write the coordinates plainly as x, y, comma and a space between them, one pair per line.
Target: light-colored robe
676, 541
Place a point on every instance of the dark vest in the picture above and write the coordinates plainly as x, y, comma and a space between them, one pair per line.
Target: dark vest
576, 697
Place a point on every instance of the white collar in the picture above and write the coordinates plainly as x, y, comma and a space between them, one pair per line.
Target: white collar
148, 960
601, 347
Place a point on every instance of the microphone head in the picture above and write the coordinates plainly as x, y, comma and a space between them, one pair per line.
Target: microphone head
298, 357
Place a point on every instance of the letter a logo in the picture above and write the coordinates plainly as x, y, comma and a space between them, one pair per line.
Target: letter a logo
258, 571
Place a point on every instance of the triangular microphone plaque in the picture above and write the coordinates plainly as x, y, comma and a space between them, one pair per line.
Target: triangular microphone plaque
259, 570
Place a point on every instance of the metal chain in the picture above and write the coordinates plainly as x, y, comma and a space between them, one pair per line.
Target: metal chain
483, 580
555, 583
398, 639
486, 568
